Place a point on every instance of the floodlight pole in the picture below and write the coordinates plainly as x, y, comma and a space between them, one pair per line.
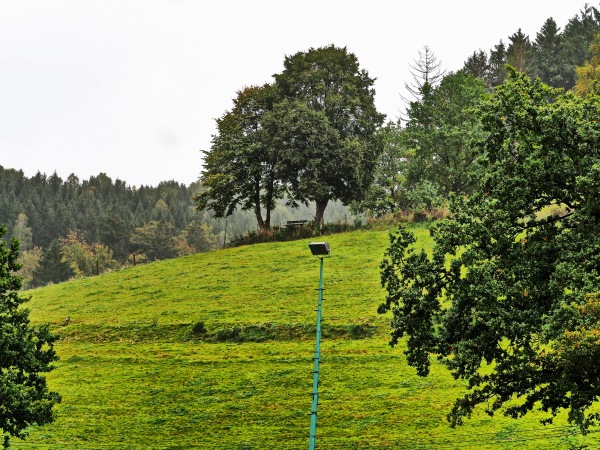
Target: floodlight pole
315, 393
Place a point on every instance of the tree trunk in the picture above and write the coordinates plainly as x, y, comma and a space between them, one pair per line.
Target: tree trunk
268, 219
269, 201
321, 205
259, 220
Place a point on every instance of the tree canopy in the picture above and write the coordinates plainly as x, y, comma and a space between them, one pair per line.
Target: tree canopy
441, 129
241, 168
309, 136
26, 353
588, 75
506, 299
333, 156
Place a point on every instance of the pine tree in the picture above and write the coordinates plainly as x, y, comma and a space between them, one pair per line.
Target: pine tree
53, 268
478, 66
576, 39
497, 62
547, 49
426, 73
520, 52
26, 351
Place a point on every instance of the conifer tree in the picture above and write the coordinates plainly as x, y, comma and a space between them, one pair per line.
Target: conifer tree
547, 49
52, 268
27, 352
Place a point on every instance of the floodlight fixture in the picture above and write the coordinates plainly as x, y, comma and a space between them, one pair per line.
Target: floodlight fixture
319, 248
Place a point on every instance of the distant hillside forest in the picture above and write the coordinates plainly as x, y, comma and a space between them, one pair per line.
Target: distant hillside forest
69, 228
260, 159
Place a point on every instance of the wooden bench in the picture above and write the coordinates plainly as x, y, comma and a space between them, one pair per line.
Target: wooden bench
296, 223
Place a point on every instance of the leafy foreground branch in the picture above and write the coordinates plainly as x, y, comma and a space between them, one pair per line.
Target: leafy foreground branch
25, 353
507, 299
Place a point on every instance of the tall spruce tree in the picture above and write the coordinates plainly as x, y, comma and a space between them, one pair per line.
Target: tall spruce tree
547, 52
53, 268
576, 39
519, 53
497, 62
478, 66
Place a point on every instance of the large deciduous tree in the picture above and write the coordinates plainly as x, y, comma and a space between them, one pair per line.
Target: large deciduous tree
327, 90
506, 298
310, 136
441, 130
27, 352
241, 168
316, 165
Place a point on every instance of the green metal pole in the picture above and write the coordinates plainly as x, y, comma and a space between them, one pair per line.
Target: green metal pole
315, 393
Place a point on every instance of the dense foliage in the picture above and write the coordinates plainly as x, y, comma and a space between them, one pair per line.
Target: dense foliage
505, 299
26, 353
309, 136
552, 56
106, 210
100, 224
242, 168
92, 222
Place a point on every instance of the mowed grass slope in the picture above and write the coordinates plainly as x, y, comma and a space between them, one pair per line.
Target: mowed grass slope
133, 375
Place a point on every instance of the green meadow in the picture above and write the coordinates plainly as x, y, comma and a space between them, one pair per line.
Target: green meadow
133, 374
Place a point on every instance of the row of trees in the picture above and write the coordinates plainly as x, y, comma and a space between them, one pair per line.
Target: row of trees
72, 256
71, 228
552, 56
508, 299
432, 155
106, 211
432, 151
310, 136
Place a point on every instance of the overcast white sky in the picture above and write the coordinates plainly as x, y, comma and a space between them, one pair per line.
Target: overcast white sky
132, 87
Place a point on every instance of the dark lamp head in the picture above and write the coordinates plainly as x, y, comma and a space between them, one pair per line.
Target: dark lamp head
319, 248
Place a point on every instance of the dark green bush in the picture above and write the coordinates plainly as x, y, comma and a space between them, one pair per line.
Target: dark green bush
199, 328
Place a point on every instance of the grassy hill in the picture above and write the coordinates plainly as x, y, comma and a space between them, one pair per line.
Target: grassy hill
133, 374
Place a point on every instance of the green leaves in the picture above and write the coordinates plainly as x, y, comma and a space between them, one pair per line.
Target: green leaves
25, 352
442, 131
490, 299
309, 136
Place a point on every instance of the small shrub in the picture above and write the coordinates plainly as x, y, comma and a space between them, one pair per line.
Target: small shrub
361, 331
199, 328
228, 334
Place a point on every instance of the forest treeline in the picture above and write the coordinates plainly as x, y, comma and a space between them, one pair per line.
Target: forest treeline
553, 54
97, 224
71, 227
288, 149
431, 152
